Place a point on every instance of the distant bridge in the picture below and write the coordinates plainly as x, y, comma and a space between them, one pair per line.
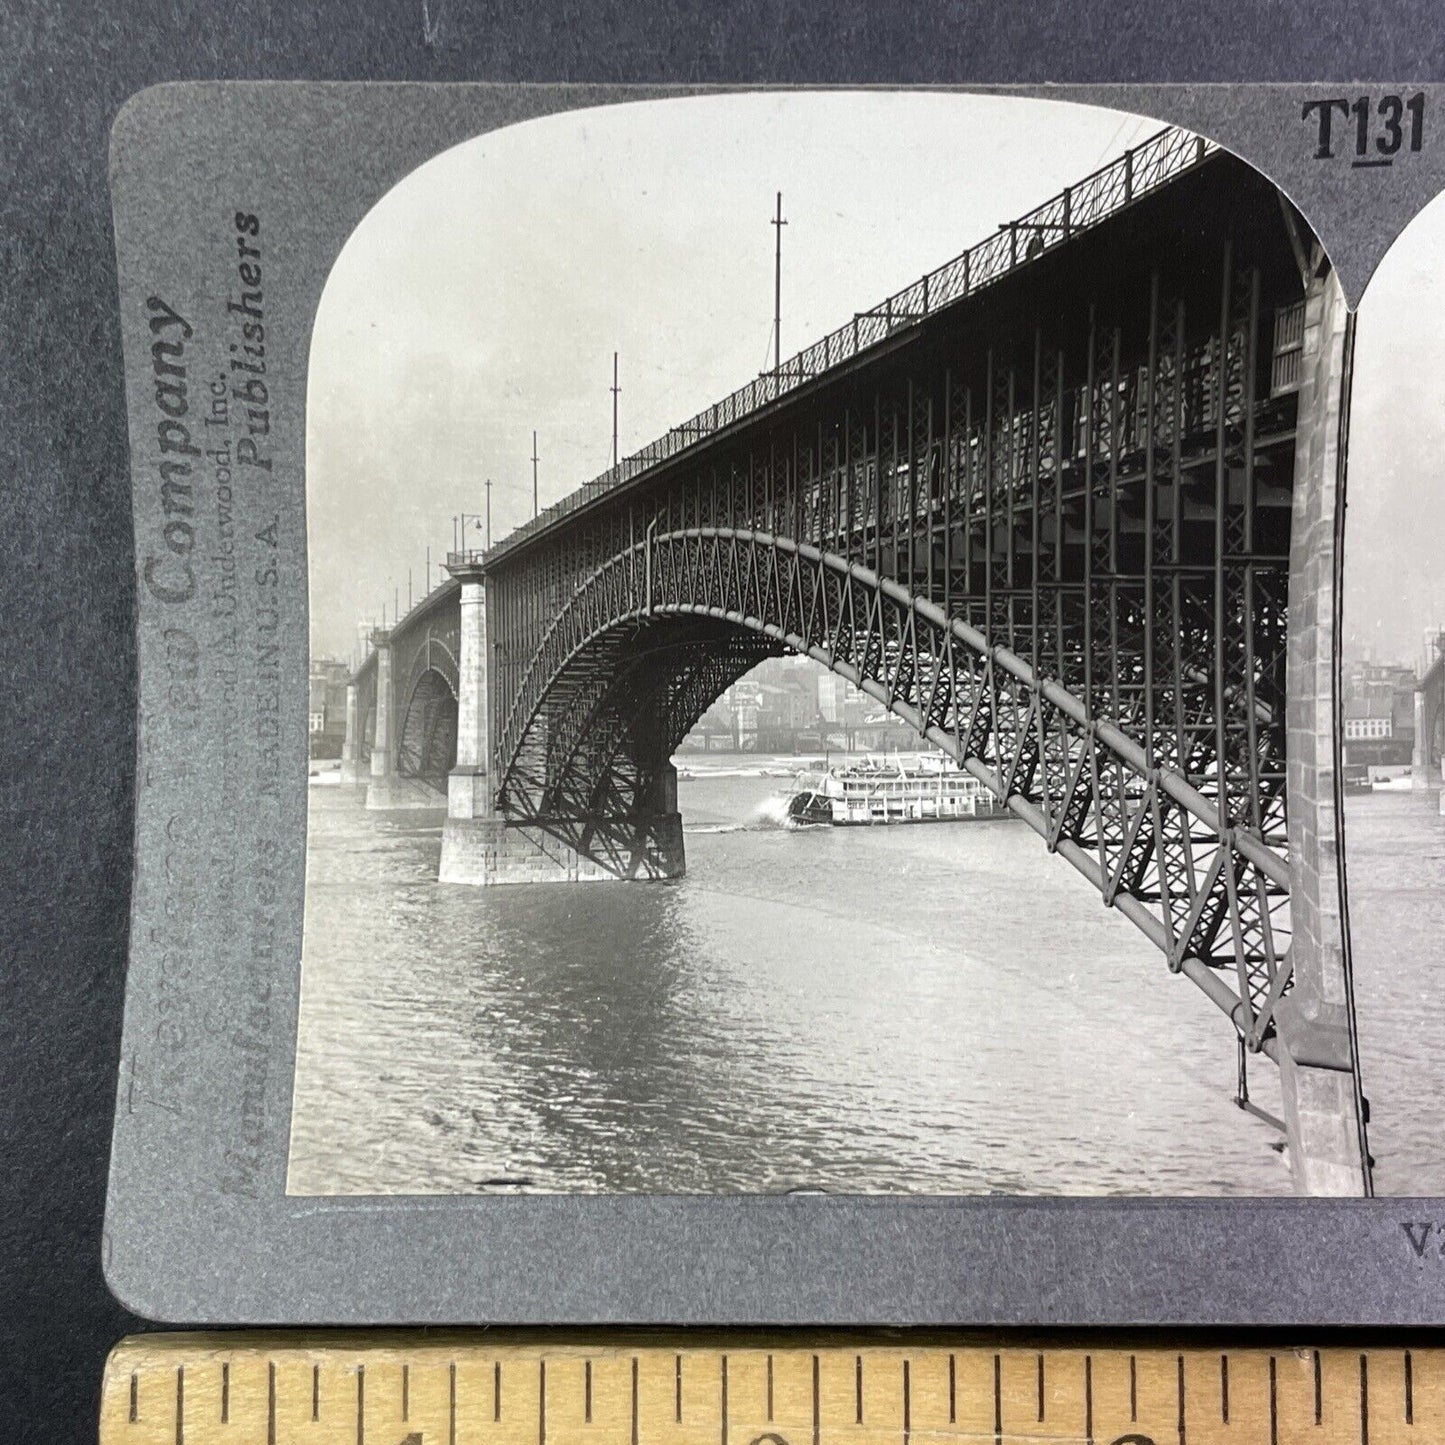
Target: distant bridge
1065, 506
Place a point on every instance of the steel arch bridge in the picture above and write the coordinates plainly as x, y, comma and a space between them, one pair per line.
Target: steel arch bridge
1150, 836
1058, 507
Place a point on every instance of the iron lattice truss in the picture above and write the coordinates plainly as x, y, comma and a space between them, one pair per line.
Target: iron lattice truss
590, 771
1058, 548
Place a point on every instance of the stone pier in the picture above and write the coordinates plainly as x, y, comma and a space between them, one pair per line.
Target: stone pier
481, 847
1321, 1096
352, 771
387, 790
1426, 767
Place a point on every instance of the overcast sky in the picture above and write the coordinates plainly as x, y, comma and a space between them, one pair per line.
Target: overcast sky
485, 294
1395, 522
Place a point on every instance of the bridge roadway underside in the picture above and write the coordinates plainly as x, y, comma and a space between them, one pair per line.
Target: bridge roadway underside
1076, 529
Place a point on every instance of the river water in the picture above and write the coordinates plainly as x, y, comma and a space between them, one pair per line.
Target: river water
1395, 845
940, 1008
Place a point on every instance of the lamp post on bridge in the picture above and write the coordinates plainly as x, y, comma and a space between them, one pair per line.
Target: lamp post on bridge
475, 519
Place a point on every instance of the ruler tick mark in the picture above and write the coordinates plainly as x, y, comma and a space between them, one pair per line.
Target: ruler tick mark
1181, 1399
1319, 1391
1224, 1388
361, 1405
1273, 1402
541, 1402
677, 1387
496, 1390
1041, 1386
316, 1390
452, 1404
1133, 1390
817, 1412
134, 1397
858, 1388
952, 1389
271, 1404
634, 1400
997, 1400
225, 1394
1364, 1400
770, 1389
1088, 1397
405, 1394
724, 1400
1409, 1389
587, 1392
907, 1404
180, 1405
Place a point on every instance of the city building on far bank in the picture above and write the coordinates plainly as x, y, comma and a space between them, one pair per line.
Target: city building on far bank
326, 714
793, 705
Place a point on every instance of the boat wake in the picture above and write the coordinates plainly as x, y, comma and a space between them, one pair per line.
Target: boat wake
771, 813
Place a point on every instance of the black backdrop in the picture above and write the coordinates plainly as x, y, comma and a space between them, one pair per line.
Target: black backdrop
67, 738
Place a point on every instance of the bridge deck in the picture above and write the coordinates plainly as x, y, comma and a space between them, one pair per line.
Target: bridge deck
1075, 210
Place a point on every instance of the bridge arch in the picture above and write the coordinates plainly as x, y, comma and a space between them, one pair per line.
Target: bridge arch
426, 745
406, 704
679, 609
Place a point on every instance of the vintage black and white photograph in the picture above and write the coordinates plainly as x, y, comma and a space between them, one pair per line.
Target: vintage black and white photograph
823, 667
1392, 704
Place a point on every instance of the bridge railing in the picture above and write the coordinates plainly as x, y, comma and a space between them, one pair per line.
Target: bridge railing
1145, 168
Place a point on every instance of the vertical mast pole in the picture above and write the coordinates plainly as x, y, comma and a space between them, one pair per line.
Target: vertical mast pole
615, 390
778, 224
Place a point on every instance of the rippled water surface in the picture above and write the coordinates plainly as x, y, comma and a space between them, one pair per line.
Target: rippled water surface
939, 1008
1396, 849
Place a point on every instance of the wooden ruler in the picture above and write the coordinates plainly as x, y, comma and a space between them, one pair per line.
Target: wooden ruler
483, 1388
